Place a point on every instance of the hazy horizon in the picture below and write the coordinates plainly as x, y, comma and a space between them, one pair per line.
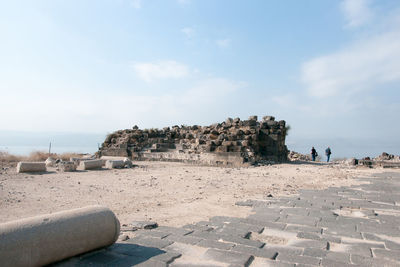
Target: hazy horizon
22, 143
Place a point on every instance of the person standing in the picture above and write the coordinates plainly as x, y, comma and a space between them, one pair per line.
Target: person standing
328, 153
314, 153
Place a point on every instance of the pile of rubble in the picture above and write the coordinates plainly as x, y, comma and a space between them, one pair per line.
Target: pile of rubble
386, 156
384, 160
233, 142
296, 156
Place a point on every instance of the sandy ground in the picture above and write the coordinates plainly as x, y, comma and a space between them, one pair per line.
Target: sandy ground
170, 194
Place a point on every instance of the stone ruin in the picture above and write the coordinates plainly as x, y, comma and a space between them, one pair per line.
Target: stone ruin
234, 142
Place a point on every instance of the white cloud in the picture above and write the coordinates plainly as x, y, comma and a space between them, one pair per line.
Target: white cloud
188, 31
360, 66
357, 12
160, 70
223, 42
136, 3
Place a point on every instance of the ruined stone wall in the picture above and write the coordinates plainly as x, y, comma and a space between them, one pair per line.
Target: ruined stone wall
233, 142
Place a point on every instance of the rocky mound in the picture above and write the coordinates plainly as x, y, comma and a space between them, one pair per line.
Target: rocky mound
233, 141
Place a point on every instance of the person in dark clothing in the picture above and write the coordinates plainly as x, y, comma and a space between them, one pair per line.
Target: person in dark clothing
328, 153
314, 153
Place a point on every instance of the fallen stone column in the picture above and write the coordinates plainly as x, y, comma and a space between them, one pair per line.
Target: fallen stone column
105, 158
45, 239
90, 164
31, 167
111, 164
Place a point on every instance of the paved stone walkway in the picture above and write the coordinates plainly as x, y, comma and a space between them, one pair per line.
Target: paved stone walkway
339, 226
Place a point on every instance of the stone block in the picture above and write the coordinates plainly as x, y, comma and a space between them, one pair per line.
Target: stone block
253, 118
120, 152
232, 258
287, 250
134, 261
128, 163
50, 162
174, 230
114, 164
90, 164
333, 263
186, 239
150, 242
99, 258
105, 158
167, 257
241, 241
298, 259
268, 118
374, 262
269, 253
66, 166
215, 244
31, 167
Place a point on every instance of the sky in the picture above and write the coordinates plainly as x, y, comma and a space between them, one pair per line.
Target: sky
330, 69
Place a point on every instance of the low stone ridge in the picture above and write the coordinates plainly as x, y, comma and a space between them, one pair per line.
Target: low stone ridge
233, 142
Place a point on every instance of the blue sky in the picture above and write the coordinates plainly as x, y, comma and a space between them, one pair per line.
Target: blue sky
331, 69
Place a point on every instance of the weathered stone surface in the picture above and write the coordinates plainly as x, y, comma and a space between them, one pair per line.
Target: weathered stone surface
233, 258
112, 164
339, 239
31, 167
298, 259
150, 242
66, 166
90, 164
215, 244
186, 239
50, 162
230, 143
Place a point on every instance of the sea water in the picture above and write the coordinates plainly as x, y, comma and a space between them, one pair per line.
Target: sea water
26, 150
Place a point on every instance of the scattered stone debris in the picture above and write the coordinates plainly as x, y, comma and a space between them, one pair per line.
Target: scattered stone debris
143, 224
296, 156
384, 160
66, 166
233, 142
123, 237
352, 161
386, 156
50, 162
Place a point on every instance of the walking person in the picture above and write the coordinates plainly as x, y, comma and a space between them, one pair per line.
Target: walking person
328, 153
314, 153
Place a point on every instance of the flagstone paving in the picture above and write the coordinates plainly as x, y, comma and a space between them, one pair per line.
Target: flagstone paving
339, 226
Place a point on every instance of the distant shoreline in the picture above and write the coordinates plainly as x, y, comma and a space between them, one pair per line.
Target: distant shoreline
26, 150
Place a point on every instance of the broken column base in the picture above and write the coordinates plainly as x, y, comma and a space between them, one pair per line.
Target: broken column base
31, 167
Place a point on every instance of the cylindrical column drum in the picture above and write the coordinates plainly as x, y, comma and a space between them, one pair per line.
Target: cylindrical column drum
44, 239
